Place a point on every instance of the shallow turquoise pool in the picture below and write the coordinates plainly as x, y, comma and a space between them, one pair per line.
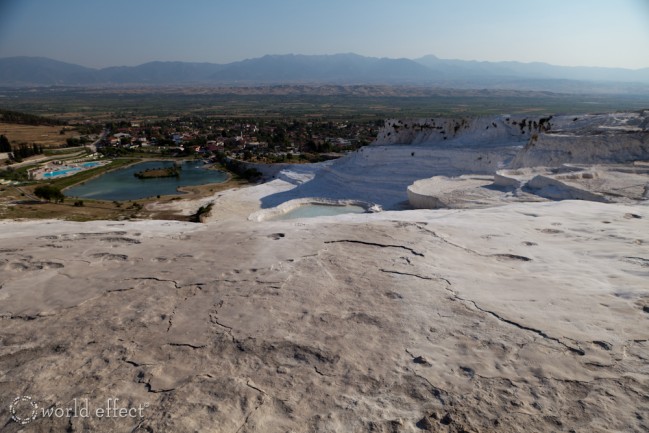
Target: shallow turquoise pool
316, 210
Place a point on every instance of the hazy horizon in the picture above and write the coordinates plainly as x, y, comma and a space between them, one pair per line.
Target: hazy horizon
596, 33
313, 54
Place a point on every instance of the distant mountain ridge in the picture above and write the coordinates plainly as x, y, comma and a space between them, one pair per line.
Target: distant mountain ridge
337, 68
536, 70
329, 69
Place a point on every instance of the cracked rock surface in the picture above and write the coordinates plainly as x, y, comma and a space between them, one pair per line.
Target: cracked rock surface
523, 318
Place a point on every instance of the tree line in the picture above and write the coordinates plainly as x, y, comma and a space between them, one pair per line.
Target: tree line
21, 151
9, 116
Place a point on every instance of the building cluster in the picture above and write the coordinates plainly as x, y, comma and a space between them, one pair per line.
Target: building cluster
249, 139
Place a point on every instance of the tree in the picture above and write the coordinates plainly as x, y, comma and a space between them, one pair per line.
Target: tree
49, 193
73, 142
25, 151
5, 146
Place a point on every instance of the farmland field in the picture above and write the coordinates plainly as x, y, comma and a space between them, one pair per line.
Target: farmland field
46, 136
330, 102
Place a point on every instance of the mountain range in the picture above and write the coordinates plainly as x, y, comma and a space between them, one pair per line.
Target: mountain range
330, 69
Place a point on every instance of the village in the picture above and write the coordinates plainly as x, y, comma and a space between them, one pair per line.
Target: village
254, 140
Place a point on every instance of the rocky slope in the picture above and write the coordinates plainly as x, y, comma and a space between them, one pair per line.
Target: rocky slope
406, 151
548, 141
589, 139
499, 131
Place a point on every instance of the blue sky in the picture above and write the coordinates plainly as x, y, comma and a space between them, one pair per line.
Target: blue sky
100, 33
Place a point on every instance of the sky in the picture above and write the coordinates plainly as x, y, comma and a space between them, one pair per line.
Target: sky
100, 33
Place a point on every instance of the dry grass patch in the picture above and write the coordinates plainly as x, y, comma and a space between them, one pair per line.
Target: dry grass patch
46, 136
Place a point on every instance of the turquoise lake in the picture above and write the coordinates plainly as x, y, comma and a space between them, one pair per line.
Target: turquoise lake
123, 185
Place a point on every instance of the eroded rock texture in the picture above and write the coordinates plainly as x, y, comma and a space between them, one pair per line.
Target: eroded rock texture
525, 318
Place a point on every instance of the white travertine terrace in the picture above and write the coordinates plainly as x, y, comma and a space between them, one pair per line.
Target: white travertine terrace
523, 307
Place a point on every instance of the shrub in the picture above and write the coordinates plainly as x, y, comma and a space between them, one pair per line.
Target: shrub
201, 212
49, 193
251, 174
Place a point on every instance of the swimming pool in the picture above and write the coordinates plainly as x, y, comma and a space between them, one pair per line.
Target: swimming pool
69, 170
63, 172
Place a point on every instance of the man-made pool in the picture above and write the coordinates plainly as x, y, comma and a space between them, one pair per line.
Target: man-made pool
316, 210
69, 170
58, 173
123, 185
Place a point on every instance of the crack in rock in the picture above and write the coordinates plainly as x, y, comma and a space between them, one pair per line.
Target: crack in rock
603, 344
315, 368
173, 312
576, 350
191, 346
137, 364
250, 414
228, 329
255, 388
120, 240
110, 257
170, 321
640, 261
26, 318
418, 359
408, 274
126, 289
446, 241
150, 389
374, 244
510, 257
176, 285
505, 256
161, 280
436, 391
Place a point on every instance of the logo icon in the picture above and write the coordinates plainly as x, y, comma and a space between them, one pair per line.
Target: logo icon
23, 410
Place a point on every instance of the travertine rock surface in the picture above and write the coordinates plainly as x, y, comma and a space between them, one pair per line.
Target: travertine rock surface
508, 313
529, 317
